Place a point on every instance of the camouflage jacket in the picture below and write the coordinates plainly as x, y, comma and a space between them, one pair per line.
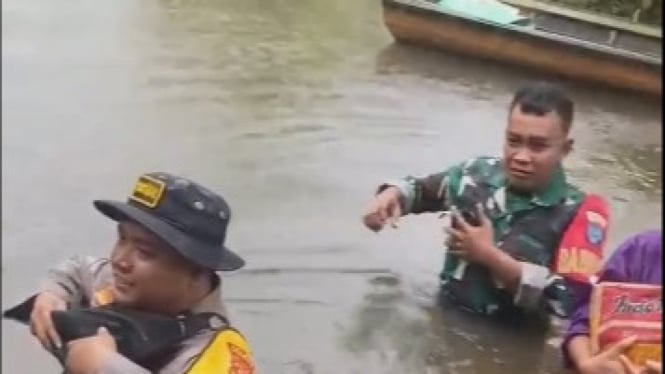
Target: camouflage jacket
483, 180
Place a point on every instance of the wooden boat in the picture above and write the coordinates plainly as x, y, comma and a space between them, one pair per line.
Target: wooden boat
544, 43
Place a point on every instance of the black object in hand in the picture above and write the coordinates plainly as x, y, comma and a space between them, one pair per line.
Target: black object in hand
138, 335
470, 215
557, 297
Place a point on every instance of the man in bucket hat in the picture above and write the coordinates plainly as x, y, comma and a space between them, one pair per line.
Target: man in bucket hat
171, 234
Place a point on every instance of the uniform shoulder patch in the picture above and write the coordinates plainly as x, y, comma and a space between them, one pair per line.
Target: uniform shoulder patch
596, 227
580, 251
228, 353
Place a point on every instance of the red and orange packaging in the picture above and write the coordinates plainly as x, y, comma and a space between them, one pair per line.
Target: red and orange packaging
619, 310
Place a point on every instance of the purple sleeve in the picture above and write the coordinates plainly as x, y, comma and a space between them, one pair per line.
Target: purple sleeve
614, 270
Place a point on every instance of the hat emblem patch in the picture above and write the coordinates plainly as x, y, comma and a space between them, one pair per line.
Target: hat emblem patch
148, 191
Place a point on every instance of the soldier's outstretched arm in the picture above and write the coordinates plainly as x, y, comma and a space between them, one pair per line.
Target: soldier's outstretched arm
424, 194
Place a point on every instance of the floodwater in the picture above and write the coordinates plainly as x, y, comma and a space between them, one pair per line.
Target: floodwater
295, 111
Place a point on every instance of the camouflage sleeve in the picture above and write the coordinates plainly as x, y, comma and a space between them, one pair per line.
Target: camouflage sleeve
426, 194
72, 280
534, 280
579, 253
577, 256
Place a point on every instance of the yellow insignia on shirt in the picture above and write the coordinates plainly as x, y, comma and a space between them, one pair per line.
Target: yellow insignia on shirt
103, 296
148, 191
228, 353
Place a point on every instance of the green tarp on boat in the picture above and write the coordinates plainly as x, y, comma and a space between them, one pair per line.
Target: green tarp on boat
488, 10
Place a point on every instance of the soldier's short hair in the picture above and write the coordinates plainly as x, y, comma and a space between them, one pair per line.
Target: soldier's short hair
540, 98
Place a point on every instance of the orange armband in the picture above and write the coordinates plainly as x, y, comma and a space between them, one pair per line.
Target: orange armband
580, 251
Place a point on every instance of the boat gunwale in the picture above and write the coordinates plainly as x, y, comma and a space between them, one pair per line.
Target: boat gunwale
431, 9
607, 21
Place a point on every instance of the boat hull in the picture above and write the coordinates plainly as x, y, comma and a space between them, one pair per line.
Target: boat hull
420, 23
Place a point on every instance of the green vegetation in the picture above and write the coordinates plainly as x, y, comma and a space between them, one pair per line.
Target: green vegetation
643, 11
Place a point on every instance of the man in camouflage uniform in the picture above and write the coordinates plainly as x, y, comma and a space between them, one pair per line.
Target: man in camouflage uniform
500, 265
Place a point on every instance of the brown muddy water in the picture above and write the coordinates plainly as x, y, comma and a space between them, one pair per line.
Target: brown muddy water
295, 111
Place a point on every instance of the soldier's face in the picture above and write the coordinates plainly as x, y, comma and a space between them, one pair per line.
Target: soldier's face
147, 273
533, 149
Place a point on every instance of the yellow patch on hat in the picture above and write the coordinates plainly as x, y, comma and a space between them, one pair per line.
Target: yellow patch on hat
148, 191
